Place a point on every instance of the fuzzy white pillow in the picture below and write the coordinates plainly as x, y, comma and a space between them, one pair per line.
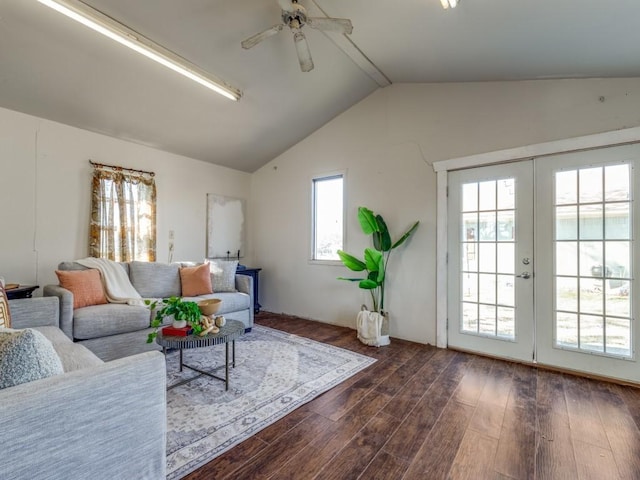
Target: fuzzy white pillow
26, 355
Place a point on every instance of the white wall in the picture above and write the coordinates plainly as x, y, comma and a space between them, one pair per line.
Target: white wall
45, 185
387, 143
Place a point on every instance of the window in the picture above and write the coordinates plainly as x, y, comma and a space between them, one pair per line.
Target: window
328, 214
123, 215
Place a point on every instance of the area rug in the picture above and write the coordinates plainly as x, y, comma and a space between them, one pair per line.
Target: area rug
276, 372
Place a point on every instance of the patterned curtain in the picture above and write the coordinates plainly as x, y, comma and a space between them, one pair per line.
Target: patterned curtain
123, 216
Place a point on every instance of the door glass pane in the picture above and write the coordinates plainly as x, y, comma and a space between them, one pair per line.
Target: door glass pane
506, 258
470, 197
618, 336
487, 257
567, 187
591, 222
487, 288
506, 194
487, 320
593, 285
470, 287
488, 247
617, 225
592, 333
616, 183
590, 185
469, 317
567, 294
506, 290
567, 329
488, 195
566, 258
506, 322
567, 223
487, 226
506, 225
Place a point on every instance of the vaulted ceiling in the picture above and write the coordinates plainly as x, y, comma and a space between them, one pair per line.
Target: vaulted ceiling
57, 69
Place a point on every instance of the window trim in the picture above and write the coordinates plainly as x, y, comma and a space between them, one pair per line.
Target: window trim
312, 222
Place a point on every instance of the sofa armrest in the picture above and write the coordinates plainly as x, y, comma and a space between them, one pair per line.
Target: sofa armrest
244, 284
34, 312
102, 422
65, 299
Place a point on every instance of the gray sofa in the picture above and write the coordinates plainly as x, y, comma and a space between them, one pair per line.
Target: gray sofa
97, 420
115, 330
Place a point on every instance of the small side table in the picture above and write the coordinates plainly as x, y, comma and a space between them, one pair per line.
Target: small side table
23, 291
253, 273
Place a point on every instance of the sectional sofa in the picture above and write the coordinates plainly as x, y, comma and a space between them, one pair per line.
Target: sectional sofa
95, 421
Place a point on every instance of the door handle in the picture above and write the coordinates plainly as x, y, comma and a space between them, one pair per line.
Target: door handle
524, 275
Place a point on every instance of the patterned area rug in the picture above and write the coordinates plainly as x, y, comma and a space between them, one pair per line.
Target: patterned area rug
276, 372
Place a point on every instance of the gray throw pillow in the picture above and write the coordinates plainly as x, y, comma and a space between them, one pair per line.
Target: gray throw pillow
26, 355
223, 275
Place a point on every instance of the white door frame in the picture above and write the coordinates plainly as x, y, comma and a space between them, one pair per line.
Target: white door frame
576, 144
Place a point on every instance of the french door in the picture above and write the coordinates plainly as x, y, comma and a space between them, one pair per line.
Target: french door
491, 261
563, 296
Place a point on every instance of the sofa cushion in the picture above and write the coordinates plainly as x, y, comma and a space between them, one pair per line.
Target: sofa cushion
231, 302
86, 286
223, 273
195, 280
73, 356
5, 314
155, 280
26, 355
112, 319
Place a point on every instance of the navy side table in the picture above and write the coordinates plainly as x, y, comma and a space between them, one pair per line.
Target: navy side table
253, 273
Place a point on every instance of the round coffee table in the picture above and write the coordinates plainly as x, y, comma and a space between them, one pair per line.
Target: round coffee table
228, 333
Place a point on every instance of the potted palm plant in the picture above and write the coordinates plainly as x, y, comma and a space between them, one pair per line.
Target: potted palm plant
373, 325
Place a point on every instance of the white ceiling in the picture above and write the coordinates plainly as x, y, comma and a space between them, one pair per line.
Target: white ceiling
57, 69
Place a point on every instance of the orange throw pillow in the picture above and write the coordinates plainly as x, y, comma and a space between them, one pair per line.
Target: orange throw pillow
85, 285
196, 280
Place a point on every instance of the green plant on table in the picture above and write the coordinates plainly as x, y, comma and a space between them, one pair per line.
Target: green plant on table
376, 258
179, 309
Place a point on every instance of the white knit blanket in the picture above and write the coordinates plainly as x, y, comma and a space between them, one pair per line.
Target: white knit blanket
117, 285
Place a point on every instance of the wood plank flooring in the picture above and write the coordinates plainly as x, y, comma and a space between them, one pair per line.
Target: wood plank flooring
426, 413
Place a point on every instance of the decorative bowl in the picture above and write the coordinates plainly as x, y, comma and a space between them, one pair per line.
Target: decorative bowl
209, 307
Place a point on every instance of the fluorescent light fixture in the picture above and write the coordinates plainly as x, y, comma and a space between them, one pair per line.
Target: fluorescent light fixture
449, 3
101, 23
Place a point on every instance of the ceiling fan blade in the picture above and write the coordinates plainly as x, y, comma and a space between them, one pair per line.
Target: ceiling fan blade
302, 48
340, 25
257, 38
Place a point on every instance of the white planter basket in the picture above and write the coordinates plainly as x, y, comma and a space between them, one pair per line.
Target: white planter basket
373, 328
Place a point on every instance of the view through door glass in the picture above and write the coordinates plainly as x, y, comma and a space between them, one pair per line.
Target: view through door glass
593, 283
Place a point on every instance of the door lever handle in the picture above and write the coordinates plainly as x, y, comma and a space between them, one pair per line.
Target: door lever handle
524, 275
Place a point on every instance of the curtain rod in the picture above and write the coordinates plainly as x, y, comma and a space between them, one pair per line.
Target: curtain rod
120, 169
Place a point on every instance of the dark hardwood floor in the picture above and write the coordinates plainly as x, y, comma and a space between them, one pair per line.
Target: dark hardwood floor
426, 413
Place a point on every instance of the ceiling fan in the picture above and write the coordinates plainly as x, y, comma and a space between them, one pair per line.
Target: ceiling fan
295, 17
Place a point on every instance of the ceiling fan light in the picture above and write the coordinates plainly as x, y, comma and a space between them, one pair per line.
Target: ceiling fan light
453, 3
445, 4
97, 21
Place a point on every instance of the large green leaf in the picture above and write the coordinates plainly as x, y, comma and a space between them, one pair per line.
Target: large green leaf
367, 220
372, 258
381, 238
351, 262
406, 235
368, 284
381, 271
